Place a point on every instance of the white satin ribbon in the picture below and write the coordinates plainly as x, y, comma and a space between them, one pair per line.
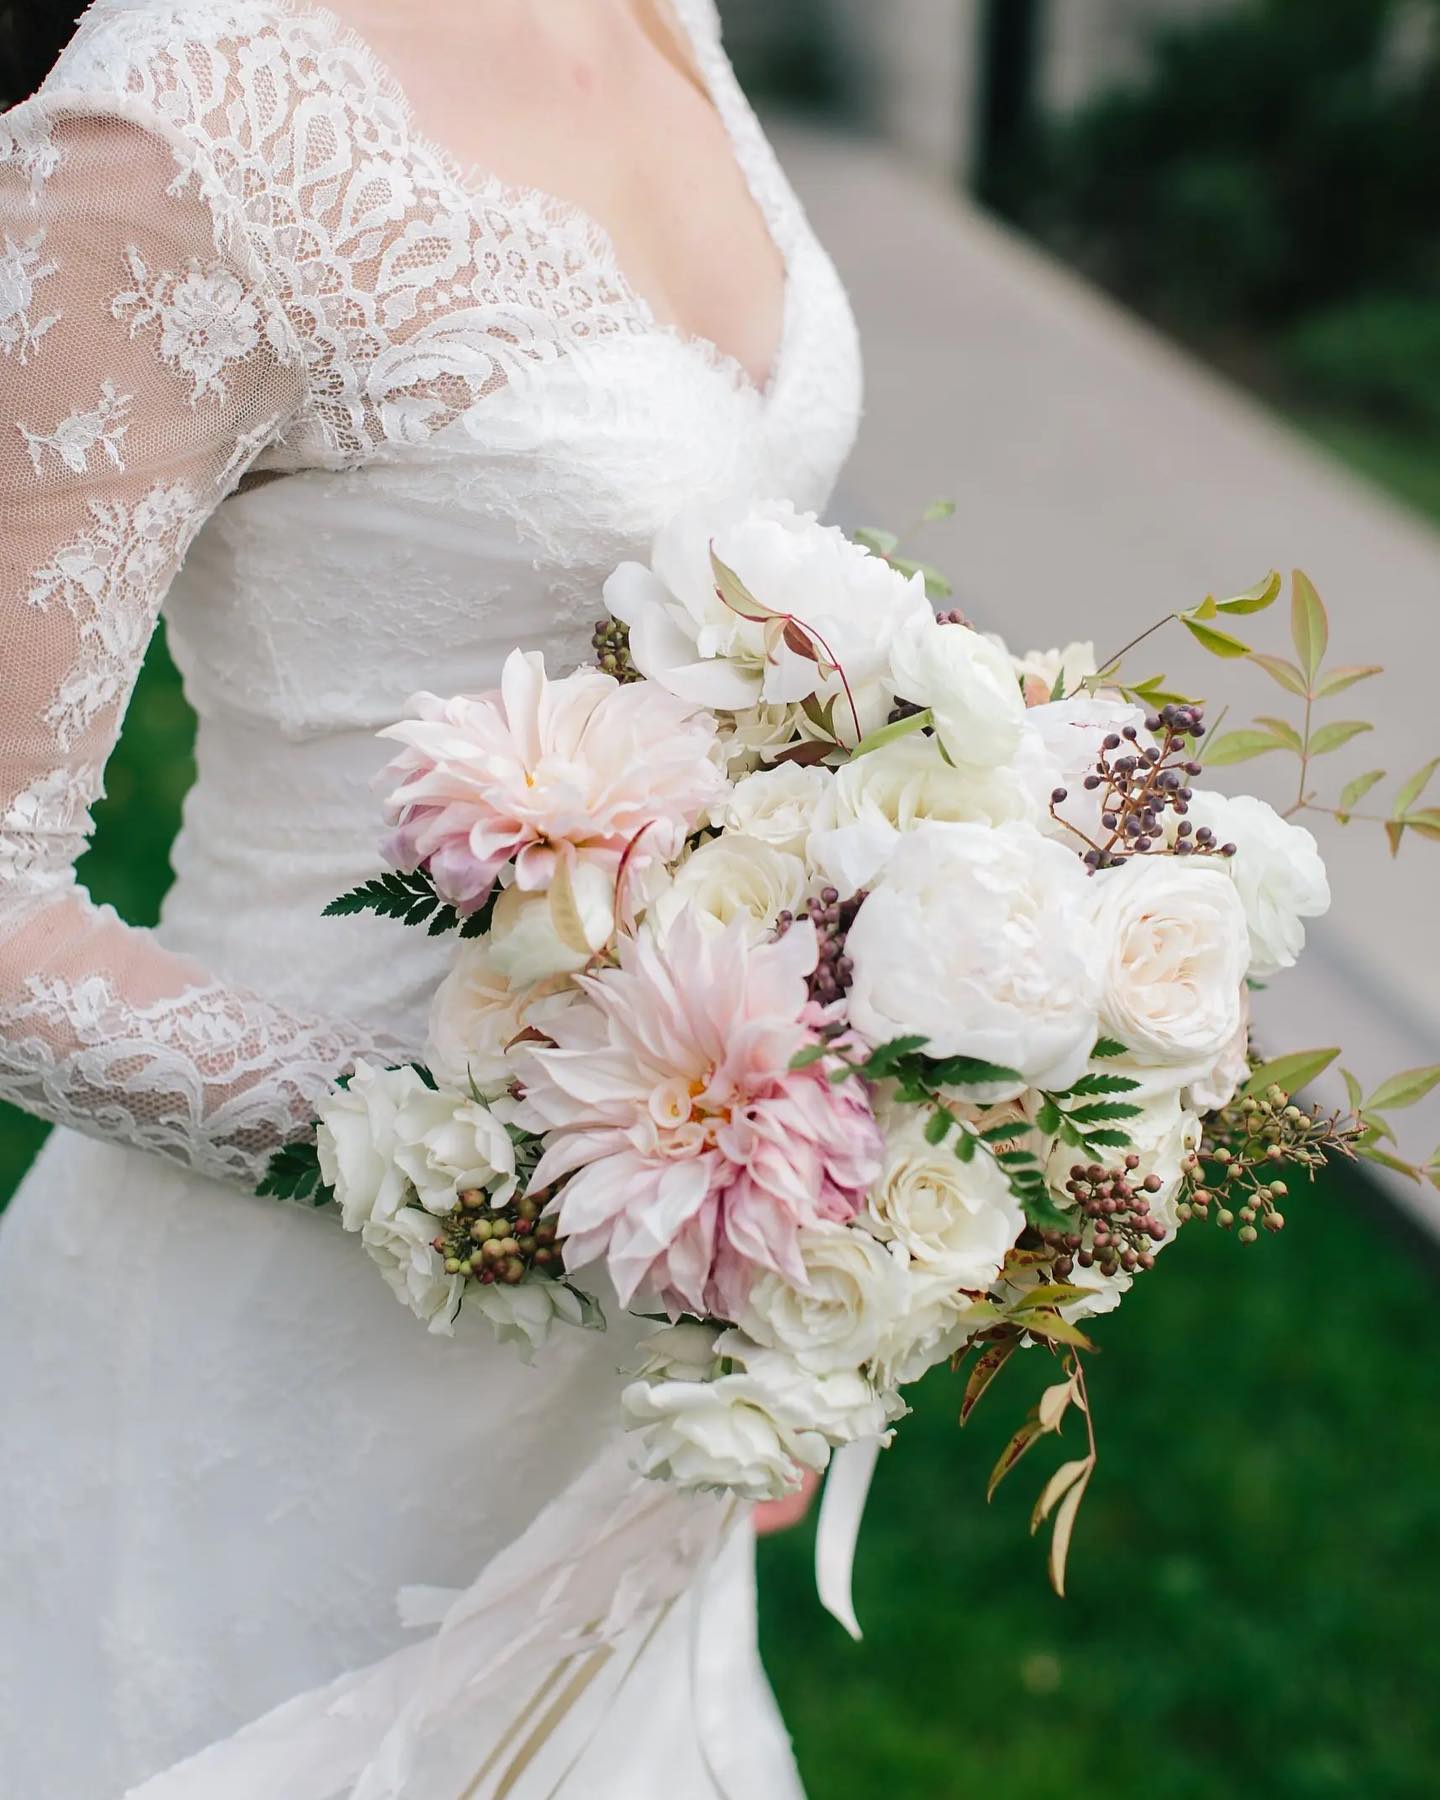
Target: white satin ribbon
847, 1487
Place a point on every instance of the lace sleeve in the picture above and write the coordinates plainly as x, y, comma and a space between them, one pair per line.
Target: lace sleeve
141, 367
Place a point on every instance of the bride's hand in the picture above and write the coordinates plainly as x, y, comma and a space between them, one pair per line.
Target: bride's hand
780, 1515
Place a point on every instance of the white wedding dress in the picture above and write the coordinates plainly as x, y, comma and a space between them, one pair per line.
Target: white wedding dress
395, 418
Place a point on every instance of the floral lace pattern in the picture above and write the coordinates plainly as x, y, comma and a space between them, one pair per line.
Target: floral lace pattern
21, 270
205, 317
100, 427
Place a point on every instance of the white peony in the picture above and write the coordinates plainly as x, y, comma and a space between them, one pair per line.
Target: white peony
475, 1014
1277, 870
718, 1435
877, 797
967, 683
357, 1141
975, 939
854, 1289
1174, 948
684, 636
777, 806
1066, 738
734, 877
956, 1220
446, 1144
400, 1245
526, 1314
535, 936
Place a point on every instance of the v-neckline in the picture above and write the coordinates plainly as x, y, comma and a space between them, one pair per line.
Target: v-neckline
479, 186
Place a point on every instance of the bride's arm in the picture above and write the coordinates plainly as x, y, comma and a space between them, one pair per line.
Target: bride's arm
142, 365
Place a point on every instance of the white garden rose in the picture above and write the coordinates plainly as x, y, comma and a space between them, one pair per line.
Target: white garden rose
718, 1435
357, 1140
475, 1014
684, 636
853, 1290
525, 1315
967, 683
400, 1246
956, 1220
776, 806
1174, 950
928, 1330
1219, 1084
1039, 670
1277, 870
531, 938
446, 1143
877, 797
734, 877
975, 939
843, 1407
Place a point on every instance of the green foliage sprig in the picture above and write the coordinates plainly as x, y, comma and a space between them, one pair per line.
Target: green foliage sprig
411, 898
294, 1174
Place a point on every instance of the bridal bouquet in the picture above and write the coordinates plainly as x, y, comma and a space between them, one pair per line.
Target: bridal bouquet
838, 992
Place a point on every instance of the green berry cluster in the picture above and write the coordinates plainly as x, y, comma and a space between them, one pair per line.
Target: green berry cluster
489, 1244
611, 640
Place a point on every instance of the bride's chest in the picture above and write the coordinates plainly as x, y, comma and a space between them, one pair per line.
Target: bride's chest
319, 600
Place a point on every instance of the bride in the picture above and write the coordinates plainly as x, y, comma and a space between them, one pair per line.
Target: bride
367, 341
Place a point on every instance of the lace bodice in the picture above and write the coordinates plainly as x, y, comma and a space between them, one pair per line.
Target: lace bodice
227, 257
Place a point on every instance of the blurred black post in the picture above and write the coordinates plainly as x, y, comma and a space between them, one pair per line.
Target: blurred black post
1009, 58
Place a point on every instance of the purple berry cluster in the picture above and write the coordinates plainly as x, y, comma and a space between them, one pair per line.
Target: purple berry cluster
832, 918
1143, 789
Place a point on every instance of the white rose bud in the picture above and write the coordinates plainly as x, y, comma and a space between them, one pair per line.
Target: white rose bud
475, 1014
525, 1315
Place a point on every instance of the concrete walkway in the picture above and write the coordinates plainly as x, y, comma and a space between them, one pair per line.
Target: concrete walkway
1103, 478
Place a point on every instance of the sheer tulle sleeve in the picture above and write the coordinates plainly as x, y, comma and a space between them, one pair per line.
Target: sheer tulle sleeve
142, 365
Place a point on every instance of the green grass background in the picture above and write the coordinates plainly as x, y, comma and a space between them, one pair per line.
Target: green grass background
1255, 1576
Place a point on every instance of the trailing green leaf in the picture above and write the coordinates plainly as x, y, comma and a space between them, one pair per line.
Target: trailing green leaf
293, 1173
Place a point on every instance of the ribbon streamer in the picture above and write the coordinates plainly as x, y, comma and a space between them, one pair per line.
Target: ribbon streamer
847, 1487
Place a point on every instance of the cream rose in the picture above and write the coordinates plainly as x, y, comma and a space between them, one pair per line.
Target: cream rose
1174, 950
967, 683
1277, 871
446, 1144
734, 877
928, 1330
777, 806
956, 1220
975, 939
843, 1406
853, 1290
